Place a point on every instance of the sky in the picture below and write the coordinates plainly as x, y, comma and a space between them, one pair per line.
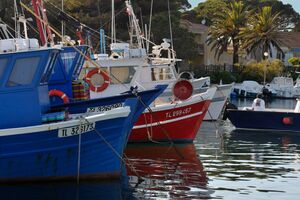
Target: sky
294, 3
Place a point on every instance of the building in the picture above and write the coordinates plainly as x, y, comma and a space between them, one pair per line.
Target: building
206, 55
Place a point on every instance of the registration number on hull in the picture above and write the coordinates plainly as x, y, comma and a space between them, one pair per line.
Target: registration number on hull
76, 130
100, 109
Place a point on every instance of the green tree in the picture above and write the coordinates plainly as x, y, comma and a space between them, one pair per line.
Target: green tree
260, 34
255, 70
225, 29
206, 12
295, 61
288, 18
208, 9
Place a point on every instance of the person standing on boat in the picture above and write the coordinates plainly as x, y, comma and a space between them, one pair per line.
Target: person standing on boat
258, 103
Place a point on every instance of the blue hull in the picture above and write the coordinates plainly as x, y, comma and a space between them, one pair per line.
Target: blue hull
265, 120
43, 155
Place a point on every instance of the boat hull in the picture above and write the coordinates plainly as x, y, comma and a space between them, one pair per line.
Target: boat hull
39, 153
170, 123
265, 120
218, 102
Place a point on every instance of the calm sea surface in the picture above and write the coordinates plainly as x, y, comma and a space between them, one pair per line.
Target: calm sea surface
221, 164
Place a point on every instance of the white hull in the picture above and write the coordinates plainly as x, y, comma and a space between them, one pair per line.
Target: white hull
218, 102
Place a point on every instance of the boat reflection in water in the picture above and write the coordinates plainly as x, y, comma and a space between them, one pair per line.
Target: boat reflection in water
92, 190
166, 171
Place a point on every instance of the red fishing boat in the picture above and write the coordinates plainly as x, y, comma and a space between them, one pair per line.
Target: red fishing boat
178, 121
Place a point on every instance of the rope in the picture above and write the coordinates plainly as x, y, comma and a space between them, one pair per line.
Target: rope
79, 156
114, 151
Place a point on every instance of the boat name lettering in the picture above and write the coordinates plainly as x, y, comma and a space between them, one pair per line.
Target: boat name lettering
76, 130
101, 109
178, 112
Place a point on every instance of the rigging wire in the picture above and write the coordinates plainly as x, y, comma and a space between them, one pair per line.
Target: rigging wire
9, 27
86, 26
150, 24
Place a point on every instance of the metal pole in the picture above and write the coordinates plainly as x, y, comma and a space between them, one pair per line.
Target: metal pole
62, 22
266, 54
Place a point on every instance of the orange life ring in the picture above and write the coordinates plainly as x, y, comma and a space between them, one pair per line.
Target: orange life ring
60, 94
99, 88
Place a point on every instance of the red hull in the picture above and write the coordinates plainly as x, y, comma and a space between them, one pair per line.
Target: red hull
176, 123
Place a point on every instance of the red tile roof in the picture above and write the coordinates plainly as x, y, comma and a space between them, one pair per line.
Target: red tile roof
193, 27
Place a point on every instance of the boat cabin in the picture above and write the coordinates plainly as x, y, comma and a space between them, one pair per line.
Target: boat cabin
66, 70
24, 79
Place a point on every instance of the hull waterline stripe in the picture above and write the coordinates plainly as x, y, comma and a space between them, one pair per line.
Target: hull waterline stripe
167, 121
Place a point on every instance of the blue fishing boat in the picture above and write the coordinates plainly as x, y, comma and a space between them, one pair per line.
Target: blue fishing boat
37, 144
65, 81
271, 119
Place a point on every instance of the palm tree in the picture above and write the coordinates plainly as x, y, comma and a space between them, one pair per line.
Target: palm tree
261, 32
225, 29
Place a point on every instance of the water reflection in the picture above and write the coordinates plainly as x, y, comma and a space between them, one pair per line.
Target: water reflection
68, 191
162, 171
241, 163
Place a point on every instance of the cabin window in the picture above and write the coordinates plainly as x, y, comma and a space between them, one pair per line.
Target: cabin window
49, 68
121, 74
68, 59
23, 71
158, 74
3, 63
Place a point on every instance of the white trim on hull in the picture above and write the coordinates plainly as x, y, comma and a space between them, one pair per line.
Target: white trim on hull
118, 112
167, 121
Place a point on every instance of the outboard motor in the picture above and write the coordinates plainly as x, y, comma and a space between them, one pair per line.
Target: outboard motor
266, 92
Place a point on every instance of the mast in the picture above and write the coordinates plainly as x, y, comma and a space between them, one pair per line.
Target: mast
135, 30
62, 21
44, 30
113, 23
170, 26
16, 16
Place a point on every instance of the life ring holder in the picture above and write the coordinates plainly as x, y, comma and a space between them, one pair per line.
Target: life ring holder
99, 88
59, 93
189, 74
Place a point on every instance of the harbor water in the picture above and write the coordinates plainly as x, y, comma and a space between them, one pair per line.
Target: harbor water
221, 164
